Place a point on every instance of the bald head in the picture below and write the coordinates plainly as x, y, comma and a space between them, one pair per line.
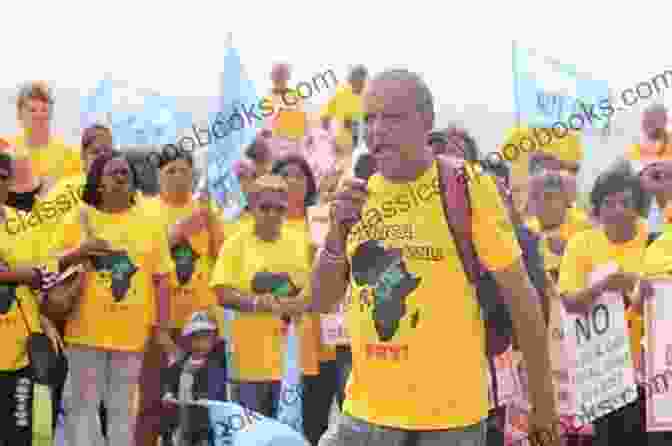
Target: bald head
410, 83
654, 121
280, 74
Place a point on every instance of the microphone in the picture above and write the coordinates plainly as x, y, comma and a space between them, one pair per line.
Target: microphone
365, 166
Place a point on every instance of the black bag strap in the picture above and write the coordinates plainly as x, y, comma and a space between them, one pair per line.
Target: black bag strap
458, 221
472, 269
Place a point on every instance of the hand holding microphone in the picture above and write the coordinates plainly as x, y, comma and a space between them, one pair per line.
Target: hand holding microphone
351, 196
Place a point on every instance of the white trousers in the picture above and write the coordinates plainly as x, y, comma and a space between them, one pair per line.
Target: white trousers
97, 376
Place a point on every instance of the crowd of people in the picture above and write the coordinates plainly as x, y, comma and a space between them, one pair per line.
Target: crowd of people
148, 300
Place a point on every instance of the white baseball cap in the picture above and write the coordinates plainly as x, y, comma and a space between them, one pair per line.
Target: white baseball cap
199, 321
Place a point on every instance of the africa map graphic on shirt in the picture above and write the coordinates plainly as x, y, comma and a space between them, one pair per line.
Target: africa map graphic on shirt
383, 273
121, 268
185, 259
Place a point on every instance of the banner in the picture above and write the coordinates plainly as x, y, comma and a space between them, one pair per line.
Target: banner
604, 379
517, 429
232, 130
547, 91
290, 407
136, 117
658, 363
235, 425
506, 380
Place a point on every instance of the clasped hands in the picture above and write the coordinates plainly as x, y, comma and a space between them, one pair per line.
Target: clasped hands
290, 307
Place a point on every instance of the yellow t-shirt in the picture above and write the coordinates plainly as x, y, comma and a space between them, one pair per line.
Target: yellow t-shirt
658, 257
192, 264
258, 340
16, 251
288, 118
402, 251
344, 105
117, 309
243, 223
588, 250
56, 160
576, 221
51, 211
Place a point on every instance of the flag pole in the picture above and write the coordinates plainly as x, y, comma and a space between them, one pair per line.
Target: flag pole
516, 99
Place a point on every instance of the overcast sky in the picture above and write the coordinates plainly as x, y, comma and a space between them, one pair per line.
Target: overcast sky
462, 47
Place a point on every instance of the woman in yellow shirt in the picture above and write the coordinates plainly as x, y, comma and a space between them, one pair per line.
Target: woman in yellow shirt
18, 307
126, 301
194, 237
619, 204
257, 269
318, 361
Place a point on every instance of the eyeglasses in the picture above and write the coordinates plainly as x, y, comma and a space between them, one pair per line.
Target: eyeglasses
267, 208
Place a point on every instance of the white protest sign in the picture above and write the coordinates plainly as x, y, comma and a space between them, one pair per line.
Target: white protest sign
506, 379
604, 378
562, 359
658, 363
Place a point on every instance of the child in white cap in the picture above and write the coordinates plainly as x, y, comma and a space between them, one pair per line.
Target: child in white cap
200, 375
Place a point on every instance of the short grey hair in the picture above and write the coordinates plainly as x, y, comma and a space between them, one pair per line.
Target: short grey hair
656, 108
424, 97
358, 72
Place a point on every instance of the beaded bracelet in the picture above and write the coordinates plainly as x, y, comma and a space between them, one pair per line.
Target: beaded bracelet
331, 257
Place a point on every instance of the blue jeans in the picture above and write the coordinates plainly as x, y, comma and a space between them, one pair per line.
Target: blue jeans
261, 397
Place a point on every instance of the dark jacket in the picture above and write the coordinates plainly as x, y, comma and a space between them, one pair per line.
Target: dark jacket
209, 383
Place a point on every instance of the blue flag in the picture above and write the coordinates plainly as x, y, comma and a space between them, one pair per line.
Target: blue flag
234, 425
547, 91
136, 118
291, 391
232, 130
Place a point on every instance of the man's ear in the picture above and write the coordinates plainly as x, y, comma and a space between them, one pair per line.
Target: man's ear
428, 119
